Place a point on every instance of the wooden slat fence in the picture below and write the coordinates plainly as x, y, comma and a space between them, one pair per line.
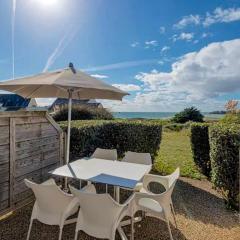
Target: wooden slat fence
31, 144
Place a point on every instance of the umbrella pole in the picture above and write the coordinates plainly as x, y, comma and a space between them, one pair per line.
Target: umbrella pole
70, 91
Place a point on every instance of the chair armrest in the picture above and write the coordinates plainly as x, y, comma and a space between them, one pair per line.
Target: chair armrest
163, 180
89, 189
138, 187
50, 181
129, 200
157, 197
73, 205
127, 207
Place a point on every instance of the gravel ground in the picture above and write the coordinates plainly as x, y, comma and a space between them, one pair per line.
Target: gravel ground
200, 211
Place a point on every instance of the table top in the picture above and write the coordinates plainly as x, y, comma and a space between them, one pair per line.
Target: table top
115, 173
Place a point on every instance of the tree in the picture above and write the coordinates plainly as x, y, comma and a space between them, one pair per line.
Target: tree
231, 106
83, 113
188, 114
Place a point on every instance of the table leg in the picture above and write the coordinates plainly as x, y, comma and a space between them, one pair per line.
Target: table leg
118, 194
65, 184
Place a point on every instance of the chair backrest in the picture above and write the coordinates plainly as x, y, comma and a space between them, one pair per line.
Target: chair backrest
108, 154
134, 157
50, 198
172, 178
98, 213
164, 198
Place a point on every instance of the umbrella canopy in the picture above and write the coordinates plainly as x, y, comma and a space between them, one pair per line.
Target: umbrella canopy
57, 84
65, 83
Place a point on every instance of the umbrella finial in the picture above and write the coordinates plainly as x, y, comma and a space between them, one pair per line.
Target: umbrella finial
72, 67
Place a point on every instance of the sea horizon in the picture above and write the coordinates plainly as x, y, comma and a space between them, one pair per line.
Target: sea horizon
158, 115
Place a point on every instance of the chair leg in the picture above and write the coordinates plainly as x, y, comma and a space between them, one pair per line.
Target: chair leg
169, 230
60, 233
76, 235
132, 228
174, 215
29, 229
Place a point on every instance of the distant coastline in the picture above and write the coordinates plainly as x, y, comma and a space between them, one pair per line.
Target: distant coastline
218, 112
159, 115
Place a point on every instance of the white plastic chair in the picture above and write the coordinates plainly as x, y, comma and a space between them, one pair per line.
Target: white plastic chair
99, 215
155, 205
52, 205
166, 181
107, 154
140, 158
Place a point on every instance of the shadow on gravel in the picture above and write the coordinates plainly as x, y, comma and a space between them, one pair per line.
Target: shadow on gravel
193, 199
202, 205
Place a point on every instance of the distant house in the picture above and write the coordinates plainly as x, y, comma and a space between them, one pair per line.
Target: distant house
61, 102
13, 102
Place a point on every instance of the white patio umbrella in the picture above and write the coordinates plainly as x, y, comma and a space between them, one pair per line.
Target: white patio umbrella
65, 83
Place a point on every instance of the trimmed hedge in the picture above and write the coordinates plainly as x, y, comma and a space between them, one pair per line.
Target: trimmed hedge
200, 147
138, 136
230, 118
224, 154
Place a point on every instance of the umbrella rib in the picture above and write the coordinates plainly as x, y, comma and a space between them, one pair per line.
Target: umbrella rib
19, 89
29, 96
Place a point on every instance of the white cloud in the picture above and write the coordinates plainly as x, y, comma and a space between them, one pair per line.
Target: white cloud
152, 43
183, 36
212, 71
121, 65
161, 62
197, 78
99, 76
188, 20
62, 44
128, 87
206, 34
220, 15
162, 30
134, 44
165, 48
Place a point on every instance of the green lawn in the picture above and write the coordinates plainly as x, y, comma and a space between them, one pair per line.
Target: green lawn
175, 151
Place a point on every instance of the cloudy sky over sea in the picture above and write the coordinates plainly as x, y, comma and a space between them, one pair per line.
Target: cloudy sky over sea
167, 54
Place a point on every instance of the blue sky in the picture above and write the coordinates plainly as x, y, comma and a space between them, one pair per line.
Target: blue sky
167, 54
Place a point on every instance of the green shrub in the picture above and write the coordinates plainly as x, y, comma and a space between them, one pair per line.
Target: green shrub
224, 154
83, 113
138, 136
200, 147
231, 118
188, 114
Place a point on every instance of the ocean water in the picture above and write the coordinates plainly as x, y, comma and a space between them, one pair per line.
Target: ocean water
157, 115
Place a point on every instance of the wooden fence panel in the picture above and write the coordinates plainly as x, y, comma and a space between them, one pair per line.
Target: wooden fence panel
31, 145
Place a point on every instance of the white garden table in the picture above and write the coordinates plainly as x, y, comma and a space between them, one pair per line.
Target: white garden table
116, 173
